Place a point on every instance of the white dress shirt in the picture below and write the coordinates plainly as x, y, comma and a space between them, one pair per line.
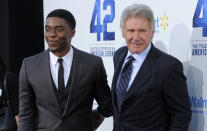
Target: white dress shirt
136, 64
54, 66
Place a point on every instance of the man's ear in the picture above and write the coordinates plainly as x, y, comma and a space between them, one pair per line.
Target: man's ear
123, 34
73, 33
153, 32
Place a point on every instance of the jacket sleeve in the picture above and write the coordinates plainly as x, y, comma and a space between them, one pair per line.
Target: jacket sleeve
13, 91
27, 108
103, 93
176, 97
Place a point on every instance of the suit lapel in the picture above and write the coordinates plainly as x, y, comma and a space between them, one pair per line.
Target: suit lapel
77, 69
143, 75
118, 62
48, 82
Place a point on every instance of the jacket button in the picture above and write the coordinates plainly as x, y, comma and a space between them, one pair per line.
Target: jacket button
124, 107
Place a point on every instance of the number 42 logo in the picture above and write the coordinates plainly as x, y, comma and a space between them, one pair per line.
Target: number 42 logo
198, 20
96, 27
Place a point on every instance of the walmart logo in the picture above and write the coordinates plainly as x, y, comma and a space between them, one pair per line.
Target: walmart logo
161, 23
198, 104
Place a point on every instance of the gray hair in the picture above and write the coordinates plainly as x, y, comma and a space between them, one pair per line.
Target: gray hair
140, 11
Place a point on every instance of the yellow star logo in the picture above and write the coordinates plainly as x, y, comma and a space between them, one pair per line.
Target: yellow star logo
164, 21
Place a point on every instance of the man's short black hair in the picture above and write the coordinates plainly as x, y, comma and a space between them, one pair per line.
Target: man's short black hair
66, 15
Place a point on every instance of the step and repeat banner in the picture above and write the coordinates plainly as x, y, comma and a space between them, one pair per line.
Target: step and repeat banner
181, 30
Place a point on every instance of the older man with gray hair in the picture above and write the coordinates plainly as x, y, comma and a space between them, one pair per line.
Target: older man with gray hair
149, 91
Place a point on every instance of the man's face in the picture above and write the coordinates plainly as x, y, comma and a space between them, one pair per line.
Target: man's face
58, 34
137, 34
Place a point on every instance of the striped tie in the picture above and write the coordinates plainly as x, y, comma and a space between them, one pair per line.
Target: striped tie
123, 82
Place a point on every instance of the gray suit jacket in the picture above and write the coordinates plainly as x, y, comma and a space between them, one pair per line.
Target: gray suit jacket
39, 109
157, 99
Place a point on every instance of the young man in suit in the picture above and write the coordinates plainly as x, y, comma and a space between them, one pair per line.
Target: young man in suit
149, 91
58, 86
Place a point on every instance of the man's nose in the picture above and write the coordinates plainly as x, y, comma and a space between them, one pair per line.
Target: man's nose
52, 33
136, 36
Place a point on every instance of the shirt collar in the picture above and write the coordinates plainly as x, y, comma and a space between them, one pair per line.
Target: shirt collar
142, 54
66, 59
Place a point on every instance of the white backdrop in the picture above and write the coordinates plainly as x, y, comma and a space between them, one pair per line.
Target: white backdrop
181, 30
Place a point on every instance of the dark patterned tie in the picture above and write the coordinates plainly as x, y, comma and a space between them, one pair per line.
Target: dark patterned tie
123, 82
61, 84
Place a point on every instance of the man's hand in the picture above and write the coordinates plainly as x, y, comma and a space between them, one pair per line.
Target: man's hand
97, 119
16, 118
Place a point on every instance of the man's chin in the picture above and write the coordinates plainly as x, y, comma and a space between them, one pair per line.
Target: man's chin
54, 50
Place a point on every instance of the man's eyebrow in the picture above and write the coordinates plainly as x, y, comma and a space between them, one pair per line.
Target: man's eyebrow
59, 26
